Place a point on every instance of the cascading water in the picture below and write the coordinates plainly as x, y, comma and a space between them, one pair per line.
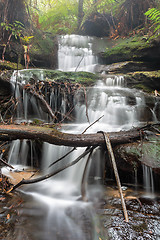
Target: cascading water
53, 203
148, 179
75, 53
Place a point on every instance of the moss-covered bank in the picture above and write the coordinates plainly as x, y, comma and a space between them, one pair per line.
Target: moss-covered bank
145, 80
84, 78
6, 65
42, 51
134, 48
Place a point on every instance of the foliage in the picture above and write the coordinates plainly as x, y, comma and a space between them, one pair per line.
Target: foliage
61, 18
100, 6
15, 29
26, 39
154, 16
128, 49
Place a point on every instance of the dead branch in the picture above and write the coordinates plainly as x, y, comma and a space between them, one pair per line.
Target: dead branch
42, 178
43, 101
86, 104
74, 147
5, 163
92, 124
83, 184
110, 150
4, 49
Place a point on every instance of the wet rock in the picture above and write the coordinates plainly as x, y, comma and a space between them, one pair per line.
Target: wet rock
144, 113
146, 80
131, 156
131, 100
143, 221
133, 49
123, 67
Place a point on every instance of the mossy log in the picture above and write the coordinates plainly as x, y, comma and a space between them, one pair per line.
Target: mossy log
53, 136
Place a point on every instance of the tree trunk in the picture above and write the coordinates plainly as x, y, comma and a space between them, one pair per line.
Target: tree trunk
53, 136
13, 10
80, 13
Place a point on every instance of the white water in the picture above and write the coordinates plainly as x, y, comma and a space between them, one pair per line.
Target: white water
148, 181
53, 203
76, 54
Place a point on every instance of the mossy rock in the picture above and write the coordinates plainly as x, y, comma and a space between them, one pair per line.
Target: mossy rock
84, 78
146, 80
6, 65
124, 67
135, 48
146, 152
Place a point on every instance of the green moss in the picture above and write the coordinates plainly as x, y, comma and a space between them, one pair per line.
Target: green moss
74, 77
6, 65
149, 74
84, 78
128, 49
148, 152
146, 80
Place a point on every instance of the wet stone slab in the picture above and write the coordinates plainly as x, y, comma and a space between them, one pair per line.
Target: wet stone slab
144, 218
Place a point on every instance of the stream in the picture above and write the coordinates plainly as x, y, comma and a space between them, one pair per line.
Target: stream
53, 209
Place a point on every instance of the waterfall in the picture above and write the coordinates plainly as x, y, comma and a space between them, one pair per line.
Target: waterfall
148, 179
75, 53
53, 204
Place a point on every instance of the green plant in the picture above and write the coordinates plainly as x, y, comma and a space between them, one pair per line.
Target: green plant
154, 16
26, 39
61, 18
14, 29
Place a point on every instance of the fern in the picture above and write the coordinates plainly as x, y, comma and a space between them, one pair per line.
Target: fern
153, 15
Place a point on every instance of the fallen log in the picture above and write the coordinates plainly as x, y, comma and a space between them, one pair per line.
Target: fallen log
53, 136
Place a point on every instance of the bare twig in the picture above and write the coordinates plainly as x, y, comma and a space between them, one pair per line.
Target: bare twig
156, 129
92, 124
79, 63
74, 147
67, 115
1, 118
86, 104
